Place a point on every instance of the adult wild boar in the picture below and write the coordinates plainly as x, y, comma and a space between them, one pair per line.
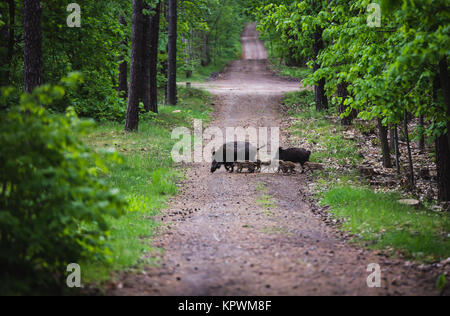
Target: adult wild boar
229, 153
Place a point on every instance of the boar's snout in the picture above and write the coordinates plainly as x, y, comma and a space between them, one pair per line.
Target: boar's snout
214, 166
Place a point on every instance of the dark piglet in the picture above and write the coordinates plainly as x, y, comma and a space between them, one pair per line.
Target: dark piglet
296, 155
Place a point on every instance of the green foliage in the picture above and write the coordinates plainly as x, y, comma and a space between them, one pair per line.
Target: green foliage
54, 200
389, 69
93, 49
379, 220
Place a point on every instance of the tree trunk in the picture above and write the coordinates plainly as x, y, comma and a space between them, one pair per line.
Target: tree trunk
172, 67
123, 68
445, 85
320, 97
136, 76
397, 150
443, 168
442, 142
145, 83
32, 44
410, 161
342, 91
392, 138
422, 133
151, 104
387, 163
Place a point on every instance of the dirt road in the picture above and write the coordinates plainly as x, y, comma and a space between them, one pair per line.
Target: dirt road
238, 234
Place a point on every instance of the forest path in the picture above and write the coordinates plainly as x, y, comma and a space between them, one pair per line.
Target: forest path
221, 239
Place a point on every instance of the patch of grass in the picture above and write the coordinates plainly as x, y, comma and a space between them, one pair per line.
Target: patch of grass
265, 200
147, 177
377, 218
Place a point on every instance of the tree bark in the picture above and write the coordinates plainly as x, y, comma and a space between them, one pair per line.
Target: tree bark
319, 89
442, 142
206, 60
32, 44
410, 161
445, 85
422, 133
123, 68
151, 71
443, 168
136, 76
342, 91
145, 83
396, 149
392, 138
387, 163
172, 67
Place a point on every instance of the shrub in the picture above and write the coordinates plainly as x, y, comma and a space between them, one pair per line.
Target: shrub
53, 200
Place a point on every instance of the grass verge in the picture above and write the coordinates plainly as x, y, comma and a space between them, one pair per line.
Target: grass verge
375, 219
147, 177
379, 220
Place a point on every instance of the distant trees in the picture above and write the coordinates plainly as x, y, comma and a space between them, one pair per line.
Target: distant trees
101, 49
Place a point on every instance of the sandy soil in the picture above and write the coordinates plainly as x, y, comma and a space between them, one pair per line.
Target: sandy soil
220, 241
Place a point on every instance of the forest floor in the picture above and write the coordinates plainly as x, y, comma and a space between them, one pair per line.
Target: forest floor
258, 234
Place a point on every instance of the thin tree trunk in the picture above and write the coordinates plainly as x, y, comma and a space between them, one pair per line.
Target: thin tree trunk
445, 84
387, 163
152, 103
319, 89
172, 67
422, 133
136, 76
410, 161
397, 149
392, 138
123, 68
145, 84
442, 142
32, 44
342, 91
443, 168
